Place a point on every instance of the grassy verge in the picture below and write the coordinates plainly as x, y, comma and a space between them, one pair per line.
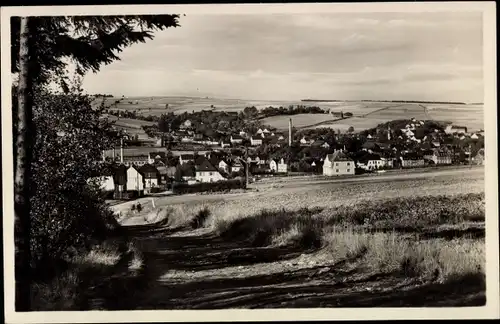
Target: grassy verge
110, 253
382, 236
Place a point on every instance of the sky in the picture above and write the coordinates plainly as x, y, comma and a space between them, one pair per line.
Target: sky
350, 56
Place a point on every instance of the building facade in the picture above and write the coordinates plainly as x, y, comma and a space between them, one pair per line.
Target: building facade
337, 164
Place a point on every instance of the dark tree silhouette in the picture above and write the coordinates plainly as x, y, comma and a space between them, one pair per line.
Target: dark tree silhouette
39, 46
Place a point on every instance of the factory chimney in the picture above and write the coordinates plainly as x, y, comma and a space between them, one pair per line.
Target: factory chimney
290, 132
121, 150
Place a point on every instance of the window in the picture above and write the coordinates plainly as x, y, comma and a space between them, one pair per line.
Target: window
337, 170
337, 164
348, 170
348, 163
210, 173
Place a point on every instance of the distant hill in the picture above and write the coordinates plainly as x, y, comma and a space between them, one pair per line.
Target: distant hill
392, 101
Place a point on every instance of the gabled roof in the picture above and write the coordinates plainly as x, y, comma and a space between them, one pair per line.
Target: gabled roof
157, 155
370, 157
187, 156
236, 136
338, 156
205, 165
148, 168
214, 160
136, 168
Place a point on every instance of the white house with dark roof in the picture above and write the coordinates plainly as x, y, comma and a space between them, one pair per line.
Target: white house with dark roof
282, 166
453, 129
157, 157
225, 166
184, 158
236, 139
206, 172
273, 166
255, 141
337, 164
135, 180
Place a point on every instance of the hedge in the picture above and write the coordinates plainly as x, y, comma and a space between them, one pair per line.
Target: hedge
183, 188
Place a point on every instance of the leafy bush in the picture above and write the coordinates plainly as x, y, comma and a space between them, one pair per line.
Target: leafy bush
67, 209
200, 219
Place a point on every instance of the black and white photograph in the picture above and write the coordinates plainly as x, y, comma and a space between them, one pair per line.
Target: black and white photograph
259, 161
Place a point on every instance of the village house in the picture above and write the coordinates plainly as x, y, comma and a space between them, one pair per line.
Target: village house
167, 174
273, 166
243, 133
479, 159
260, 131
224, 166
337, 164
274, 142
305, 141
206, 172
253, 159
157, 158
282, 166
135, 159
371, 147
151, 177
235, 166
371, 161
236, 139
452, 129
320, 143
224, 144
184, 158
187, 138
255, 141
438, 157
135, 180
411, 161
186, 125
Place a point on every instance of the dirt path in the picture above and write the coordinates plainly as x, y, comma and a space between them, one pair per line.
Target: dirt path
195, 269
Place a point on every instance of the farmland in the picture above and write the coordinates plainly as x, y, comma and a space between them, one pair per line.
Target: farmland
389, 240
366, 114
299, 121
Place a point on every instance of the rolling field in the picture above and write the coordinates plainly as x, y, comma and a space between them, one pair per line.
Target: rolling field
369, 113
299, 121
399, 240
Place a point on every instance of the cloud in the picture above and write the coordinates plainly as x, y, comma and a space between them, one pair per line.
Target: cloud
284, 56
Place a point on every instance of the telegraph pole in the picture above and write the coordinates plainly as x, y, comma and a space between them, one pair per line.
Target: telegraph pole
121, 150
470, 157
247, 166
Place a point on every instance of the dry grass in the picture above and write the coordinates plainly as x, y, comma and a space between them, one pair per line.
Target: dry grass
179, 215
59, 294
67, 291
411, 212
354, 232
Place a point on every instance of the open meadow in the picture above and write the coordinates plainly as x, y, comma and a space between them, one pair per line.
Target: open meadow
414, 239
365, 114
